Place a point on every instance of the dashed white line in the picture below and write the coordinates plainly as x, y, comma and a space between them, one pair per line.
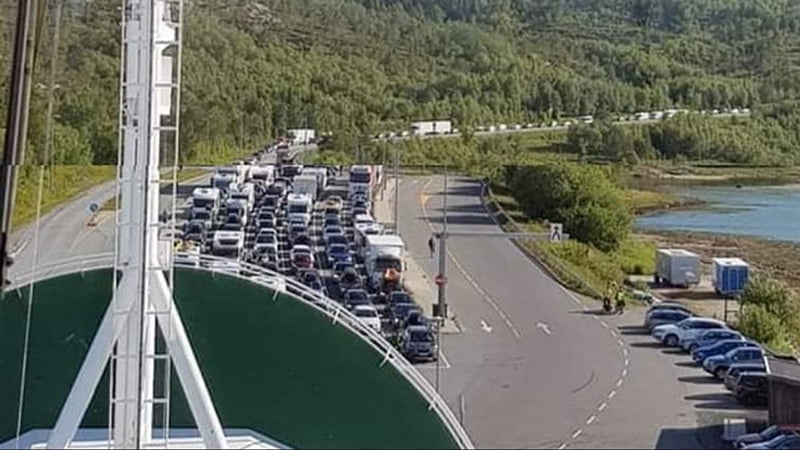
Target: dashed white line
605, 325
577, 433
621, 344
624, 373
562, 446
612, 394
619, 382
602, 406
627, 361
625, 351
590, 420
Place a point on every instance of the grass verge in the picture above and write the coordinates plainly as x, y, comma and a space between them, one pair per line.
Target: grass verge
576, 265
61, 184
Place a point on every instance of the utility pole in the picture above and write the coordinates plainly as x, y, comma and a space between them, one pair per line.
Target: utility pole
443, 254
442, 281
16, 125
397, 189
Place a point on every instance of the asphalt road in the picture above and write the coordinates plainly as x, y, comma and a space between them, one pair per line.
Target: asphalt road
535, 365
548, 129
65, 233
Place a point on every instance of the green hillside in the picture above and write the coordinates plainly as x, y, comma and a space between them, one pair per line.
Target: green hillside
254, 68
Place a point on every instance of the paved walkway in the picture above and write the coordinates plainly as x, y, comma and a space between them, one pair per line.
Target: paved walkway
415, 279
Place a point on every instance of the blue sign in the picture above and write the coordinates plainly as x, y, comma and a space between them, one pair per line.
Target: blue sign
93, 208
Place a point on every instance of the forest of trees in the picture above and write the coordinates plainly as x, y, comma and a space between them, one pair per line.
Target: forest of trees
252, 69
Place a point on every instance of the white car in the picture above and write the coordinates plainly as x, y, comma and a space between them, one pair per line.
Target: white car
368, 315
673, 334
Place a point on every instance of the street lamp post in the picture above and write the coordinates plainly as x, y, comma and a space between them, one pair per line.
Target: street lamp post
442, 282
396, 188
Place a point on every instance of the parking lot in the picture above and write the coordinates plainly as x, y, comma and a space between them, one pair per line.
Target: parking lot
326, 239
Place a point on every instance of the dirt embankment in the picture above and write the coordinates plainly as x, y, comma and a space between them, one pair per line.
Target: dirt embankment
777, 259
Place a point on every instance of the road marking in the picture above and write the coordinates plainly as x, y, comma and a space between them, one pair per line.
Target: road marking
612, 394
543, 327
485, 327
575, 299
627, 361
619, 382
577, 433
621, 344
562, 446
590, 420
602, 406
423, 200
625, 351
605, 325
625, 373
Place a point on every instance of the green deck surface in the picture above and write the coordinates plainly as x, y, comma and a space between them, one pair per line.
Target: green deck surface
277, 367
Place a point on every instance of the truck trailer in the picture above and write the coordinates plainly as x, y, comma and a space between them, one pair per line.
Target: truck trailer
431, 127
306, 184
383, 252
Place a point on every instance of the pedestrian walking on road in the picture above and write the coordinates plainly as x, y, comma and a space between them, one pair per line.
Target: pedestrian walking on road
432, 246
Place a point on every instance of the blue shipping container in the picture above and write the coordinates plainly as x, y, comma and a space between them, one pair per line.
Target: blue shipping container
730, 275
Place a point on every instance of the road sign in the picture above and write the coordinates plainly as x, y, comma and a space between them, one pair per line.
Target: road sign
93, 208
556, 232
440, 280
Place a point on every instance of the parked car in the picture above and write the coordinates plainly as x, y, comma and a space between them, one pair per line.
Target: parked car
355, 297
667, 306
350, 279
719, 348
319, 287
340, 267
784, 441
765, 435
399, 297
709, 337
719, 364
266, 240
752, 388
418, 343
368, 316
337, 239
400, 311
657, 318
735, 369
338, 252
416, 318
331, 221
303, 239
673, 334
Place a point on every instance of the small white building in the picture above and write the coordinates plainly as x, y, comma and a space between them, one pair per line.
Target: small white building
424, 128
302, 136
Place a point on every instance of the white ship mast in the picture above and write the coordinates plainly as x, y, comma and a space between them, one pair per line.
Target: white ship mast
126, 339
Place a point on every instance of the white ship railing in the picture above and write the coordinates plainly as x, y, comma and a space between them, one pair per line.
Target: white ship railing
273, 280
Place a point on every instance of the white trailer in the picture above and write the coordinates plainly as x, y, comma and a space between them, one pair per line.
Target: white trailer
306, 184
428, 127
361, 180
383, 252
263, 173
677, 267
322, 176
208, 198
302, 136
299, 205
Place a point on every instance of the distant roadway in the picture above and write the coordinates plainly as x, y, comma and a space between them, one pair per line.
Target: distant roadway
546, 129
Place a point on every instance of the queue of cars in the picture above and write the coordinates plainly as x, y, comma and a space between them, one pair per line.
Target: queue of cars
723, 353
317, 232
